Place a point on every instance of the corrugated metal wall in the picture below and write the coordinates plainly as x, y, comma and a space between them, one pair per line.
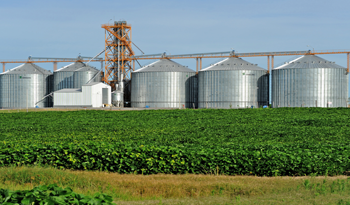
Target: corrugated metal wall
164, 89
63, 79
80, 78
22, 90
233, 88
309, 87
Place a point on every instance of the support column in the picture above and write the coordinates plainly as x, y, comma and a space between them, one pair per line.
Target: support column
196, 65
272, 62
54, 66
270, 74
200, 61
348, 63
133, 65
268, 64
3, 67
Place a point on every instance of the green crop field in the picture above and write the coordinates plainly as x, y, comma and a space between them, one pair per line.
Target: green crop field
262, 142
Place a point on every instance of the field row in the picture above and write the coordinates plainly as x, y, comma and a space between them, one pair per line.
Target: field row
265, 160
294, 141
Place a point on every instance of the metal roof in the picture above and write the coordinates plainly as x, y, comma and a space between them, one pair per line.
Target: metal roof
309, 61
69, 90
71, 67
27, 68
87, 68
164, 65
233, 63
94, 83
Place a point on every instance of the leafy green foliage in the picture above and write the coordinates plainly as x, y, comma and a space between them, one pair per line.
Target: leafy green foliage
271, 142
51, 195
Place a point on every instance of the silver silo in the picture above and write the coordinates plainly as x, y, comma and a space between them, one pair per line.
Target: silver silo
24, 86
233, 83
63, 77
309, 81
83, 75
118, 99
164, 83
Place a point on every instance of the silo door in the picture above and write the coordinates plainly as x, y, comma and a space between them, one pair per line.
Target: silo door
104, 95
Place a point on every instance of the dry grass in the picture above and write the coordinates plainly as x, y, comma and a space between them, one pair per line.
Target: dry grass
290, 198
174, 189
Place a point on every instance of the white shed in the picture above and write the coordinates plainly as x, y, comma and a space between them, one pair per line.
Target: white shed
94, 94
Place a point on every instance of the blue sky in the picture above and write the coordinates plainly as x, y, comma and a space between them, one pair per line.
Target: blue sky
66, 28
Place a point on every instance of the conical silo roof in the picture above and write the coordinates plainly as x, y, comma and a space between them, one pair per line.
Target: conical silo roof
233, 63
27, 68
71, 67
309, 61
164, 65
86, 68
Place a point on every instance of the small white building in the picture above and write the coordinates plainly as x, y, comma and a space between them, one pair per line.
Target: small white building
94, 94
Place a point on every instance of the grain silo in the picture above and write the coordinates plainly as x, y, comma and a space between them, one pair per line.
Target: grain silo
63, 77
24, 86
164, 83
118, 98
309, 81
233, 83
85, 74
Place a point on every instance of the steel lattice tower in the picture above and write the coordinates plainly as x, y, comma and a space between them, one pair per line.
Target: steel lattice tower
118, 53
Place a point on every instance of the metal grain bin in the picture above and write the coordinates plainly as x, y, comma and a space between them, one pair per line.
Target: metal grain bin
164, 83
63, 77
118, 98
309, 81
24, 86
83, 75
233, 83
